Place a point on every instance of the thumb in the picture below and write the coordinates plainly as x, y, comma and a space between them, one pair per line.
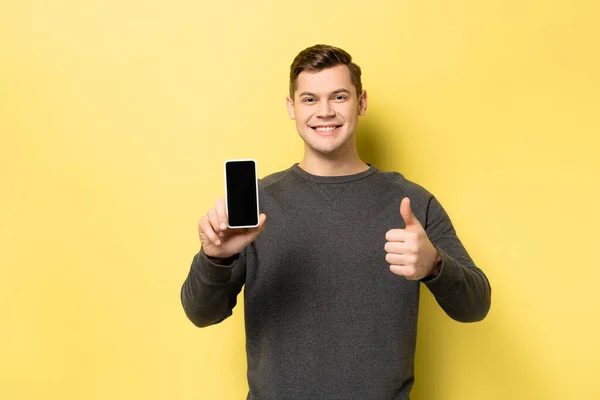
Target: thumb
261, 225
407, 214
261, 222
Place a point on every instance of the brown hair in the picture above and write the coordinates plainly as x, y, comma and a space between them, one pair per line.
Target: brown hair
319, 57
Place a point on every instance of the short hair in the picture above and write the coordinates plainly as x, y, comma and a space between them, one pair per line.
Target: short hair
319, 57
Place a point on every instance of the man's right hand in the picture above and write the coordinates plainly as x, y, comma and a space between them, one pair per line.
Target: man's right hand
220, 241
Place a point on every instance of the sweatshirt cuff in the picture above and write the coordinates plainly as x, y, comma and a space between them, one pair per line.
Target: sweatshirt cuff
215, 270
449, 278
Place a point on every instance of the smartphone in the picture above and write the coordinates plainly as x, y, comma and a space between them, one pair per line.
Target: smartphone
241, 188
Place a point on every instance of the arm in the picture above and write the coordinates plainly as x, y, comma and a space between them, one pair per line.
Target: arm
460, 287
218, 271
210, 290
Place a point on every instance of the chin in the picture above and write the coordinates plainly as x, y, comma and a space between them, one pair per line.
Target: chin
325, 150
324, 145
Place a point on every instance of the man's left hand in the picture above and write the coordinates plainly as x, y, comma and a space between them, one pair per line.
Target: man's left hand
409, 251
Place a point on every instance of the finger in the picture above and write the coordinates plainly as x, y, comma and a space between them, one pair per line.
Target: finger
254, 232
205, 228
402, 270
400, 247
261, 221
203, 239
401, 259
407, 214
214, 221
400, 235
221, 214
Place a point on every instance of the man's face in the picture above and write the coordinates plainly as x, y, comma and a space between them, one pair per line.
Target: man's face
326, 109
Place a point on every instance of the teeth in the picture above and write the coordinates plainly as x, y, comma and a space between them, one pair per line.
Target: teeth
325, 128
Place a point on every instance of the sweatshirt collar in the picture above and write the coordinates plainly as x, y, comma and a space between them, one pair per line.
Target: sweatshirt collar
332, 179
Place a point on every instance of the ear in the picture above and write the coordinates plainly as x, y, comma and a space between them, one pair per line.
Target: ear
362, 103
290, 107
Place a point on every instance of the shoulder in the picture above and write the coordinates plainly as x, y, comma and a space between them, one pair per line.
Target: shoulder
424, 204
420, 197
276, 189
273, 178
282, 180
410, 188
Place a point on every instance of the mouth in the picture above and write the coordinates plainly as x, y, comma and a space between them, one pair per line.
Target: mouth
326, 130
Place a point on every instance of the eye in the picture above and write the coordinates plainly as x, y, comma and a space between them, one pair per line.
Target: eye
340, 97
308, 100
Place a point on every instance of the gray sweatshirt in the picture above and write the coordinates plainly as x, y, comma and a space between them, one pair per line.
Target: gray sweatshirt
325, 318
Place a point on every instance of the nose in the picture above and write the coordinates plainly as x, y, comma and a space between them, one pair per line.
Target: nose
325, 110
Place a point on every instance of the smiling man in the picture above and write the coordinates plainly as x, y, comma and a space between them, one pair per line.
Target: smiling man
325, 105
332, 279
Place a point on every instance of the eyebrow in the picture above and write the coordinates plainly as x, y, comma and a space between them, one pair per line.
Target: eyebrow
338, 91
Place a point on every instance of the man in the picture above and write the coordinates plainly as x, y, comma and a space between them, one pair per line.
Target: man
332, 278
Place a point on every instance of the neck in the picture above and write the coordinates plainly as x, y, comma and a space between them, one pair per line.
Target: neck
332, 164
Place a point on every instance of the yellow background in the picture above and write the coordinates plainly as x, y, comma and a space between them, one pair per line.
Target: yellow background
116, 117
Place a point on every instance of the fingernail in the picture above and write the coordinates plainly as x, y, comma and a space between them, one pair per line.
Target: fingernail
218, 242
223, 225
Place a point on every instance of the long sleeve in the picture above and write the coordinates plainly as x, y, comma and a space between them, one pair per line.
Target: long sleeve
210, 290
461, 288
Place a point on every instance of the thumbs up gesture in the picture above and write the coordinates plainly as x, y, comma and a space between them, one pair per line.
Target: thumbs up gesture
409, 251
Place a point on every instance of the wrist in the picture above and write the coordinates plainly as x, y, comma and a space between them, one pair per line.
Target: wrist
437, 265
222, 260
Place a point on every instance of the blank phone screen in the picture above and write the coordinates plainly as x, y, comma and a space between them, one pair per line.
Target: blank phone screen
242, 201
